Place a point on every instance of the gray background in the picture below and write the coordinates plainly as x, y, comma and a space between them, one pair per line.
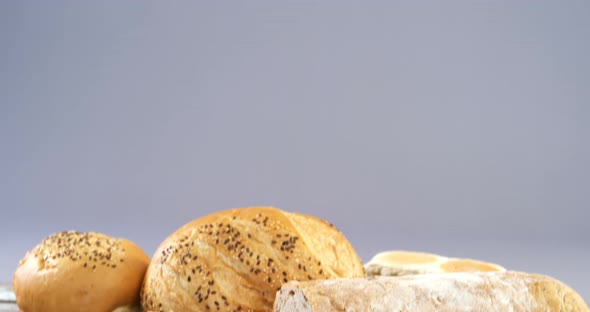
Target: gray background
455, 127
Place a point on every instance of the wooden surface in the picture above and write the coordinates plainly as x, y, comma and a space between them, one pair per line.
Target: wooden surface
7, 300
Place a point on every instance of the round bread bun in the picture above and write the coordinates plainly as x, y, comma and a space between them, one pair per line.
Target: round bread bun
236, 260
73, 271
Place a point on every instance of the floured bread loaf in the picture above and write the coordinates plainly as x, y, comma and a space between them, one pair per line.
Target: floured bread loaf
236, 260
462, 291
398, 262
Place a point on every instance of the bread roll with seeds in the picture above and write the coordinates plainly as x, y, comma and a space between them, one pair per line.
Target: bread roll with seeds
236, 260
462, 291
399, 262
73, 271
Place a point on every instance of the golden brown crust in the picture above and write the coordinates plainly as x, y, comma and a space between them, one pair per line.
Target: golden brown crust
327, 243
469, 265
237, 259
549, 292
73, 271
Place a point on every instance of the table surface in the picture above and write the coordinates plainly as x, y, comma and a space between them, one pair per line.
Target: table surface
7, 300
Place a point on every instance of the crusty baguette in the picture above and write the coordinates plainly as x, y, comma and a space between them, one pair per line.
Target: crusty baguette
401, 262
464, 291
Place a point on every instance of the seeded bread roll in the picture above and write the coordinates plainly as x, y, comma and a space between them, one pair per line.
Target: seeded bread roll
463, 291
236, 260
399, 262
73, 271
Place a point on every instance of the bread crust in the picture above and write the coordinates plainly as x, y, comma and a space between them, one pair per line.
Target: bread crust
465, 291
73, 271
237, 259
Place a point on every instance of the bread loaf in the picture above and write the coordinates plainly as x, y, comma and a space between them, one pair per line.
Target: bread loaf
464, 291
398, 262
236, 260
73, 271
